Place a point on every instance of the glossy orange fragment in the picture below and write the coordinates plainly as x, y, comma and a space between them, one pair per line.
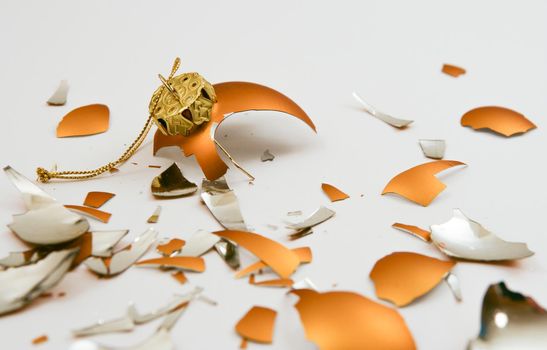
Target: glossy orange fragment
232, 97
191, 263
419, 184
347, 320
180, 277
97, 199
174, 245
86, 120
333, 193
414, 230
502, 120
402, 277
304, 256
94, 213
257, 325
279, 258
39, 340
452, 70
277, 282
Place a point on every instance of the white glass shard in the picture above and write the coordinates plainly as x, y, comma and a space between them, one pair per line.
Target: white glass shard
201, 242
433, 148
59, 96
103, 242
454, 284
398, 123
223, 204
463, 238
267, 156
320, 215
16, 259
33, 196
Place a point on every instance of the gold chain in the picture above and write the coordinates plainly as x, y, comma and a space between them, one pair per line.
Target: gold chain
45, 176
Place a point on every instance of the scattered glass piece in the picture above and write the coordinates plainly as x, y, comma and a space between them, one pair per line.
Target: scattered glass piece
463, 238
20, 285
223, 204
333, 193
103, 242
171, 183
510, 320
46, 221
229, 252
180, 277
155, 216
91, 212
59, 96
419, 184
154, 166
16, 259
39, 340
199, 243
454, 284
422, 234
300, 233
83, 121
347, 320
173, 246
304, 256
453, 71
124, 258
398, 123
257, 325
433, 148
502, 120
320, 215
305, 283
96, 199
277, 282
295, 213
267, 156
189, 263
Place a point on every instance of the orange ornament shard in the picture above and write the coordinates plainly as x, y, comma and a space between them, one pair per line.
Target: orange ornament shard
97, 199
189, 263
333, 193
173, 246
419, 184
257, 325
402, 277
413, 230
453, 71
232, 97
502, 120
92, 212
83, 121
282, 260
347, 320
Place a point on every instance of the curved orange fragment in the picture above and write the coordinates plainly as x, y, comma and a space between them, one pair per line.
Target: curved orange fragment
279, 258
94, 213
402, 277
347, 320
257, 324
304, 256
86, 120
96, 199
452, 70
502, 120
333, 193
191, 263
418, 184
174, 245
413, 230
232, 97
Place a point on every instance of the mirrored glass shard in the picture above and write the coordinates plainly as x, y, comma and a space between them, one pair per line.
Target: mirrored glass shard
124, 258
123, 324
33, 196
229, 252
454, 283
463, 238
398, 123
223, 204
300, 233
199, 243
20, 285
320, 215
510, 320
171, 183
305, 283
433, 149
155, 216
16, 259
267, 156
103, 242
59, 96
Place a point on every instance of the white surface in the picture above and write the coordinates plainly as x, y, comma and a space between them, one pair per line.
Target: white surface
389, 52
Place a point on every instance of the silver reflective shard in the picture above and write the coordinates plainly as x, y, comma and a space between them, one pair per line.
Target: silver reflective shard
510, 320
320, 215
398, 123
433, 149
59, 96
171, 183
267, 156
20, 285
103, 242
463, 238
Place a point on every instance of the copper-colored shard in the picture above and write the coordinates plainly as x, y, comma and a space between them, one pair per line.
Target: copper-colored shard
402, 277
304, 255
173, 246
92, 212
232, 97
282, 260
154, 166
333, 193
453, 71
277, 282
257, 325
502, 120
347, 320
189, 263
39, 340
155, 216
86, 120
97, 199
414, 230
419, 184
180, 277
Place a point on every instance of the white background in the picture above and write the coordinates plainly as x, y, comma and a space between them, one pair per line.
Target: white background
391, 52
